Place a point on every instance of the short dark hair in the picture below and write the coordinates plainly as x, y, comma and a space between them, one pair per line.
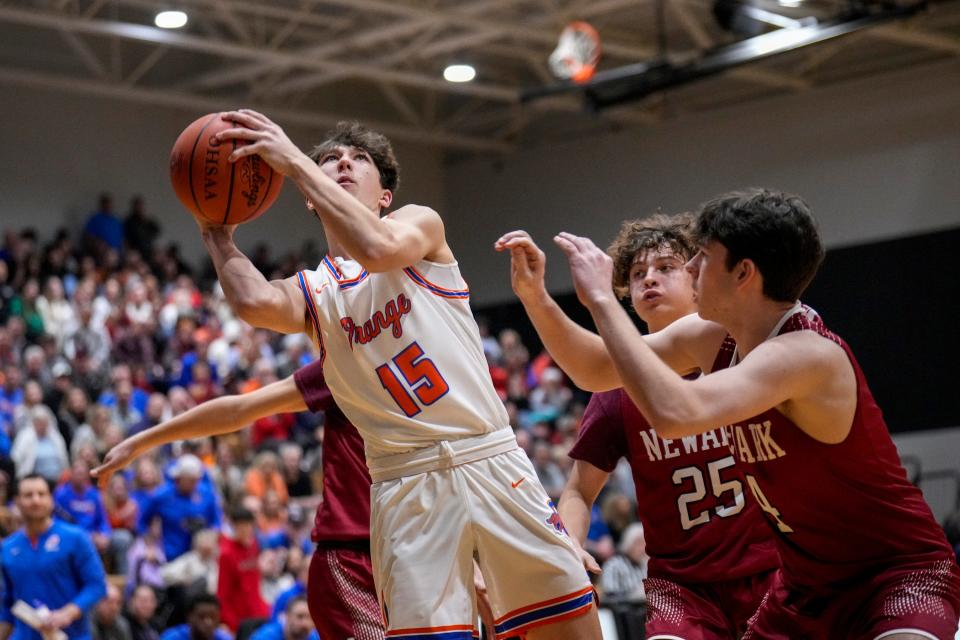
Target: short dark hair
203, 598
34, 476
654, 232
293, 601
773, 229
354, 134
241, 514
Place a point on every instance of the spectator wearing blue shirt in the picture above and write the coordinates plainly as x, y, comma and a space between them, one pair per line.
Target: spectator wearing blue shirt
203, 622
103, 228
298, 589
182, 507
80, 502
294, 624
11, 396
146, 482
48, 563
121, 386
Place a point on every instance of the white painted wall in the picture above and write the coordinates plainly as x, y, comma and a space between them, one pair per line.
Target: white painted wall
59, 151
876, 158
938, 450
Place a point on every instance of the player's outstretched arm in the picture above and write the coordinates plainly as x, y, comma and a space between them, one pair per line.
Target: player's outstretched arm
579, 352
576, 501
275, 304
408, 235
795, 367
215, 417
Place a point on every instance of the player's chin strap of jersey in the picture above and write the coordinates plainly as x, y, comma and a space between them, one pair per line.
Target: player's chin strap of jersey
442, 455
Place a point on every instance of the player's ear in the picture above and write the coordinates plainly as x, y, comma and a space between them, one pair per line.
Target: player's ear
746, 271
386, 197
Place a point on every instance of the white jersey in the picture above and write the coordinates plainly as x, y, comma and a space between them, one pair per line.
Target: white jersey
402, 353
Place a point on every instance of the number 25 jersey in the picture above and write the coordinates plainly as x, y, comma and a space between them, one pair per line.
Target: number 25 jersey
402, 353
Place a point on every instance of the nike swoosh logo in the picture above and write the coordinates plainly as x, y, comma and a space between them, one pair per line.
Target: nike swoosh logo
322, 287
517, 483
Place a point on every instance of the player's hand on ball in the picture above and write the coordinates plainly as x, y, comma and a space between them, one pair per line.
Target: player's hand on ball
591, 268
212, 228
527, 264
265, 138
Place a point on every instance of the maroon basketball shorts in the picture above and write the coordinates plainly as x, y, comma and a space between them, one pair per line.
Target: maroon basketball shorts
923, 599
709, 611
343, 601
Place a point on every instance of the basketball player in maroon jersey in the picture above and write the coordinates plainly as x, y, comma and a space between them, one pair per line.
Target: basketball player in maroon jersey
861, 554
711, 555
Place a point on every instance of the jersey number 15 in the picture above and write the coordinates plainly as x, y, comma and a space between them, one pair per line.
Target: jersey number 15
419, 375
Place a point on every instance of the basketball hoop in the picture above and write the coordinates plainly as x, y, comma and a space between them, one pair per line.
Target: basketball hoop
577, 52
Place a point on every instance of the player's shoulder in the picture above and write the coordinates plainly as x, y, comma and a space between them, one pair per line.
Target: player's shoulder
414, 213
16, 539
804, 346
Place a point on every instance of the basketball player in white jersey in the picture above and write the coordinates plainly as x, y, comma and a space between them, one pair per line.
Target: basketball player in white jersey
390, 313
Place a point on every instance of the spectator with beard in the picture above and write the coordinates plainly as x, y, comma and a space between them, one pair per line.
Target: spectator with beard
296, 624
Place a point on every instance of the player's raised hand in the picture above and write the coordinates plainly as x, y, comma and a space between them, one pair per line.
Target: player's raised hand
527, 264
264, 138
591, 268
119, 457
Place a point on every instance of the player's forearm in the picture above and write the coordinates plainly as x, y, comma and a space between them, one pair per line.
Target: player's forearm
663, 397
221, 415
5, 630
243, 285
574, 510
360, 231
211, 418
580, 353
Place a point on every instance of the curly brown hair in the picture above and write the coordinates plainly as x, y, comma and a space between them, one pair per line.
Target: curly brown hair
354, 134
655, 232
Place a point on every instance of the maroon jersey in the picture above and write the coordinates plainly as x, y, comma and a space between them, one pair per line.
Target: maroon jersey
344, 514
699, 525
844, 512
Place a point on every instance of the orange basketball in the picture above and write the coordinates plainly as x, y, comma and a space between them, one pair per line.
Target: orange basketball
213, 188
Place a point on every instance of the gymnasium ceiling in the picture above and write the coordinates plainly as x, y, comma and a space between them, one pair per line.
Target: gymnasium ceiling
313, 62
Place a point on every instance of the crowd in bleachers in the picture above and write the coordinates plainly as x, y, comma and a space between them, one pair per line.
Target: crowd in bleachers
105, 332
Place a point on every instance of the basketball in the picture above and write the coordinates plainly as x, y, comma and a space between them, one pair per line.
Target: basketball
210, 186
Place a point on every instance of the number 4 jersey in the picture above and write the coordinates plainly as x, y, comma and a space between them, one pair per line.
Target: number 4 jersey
842, 513
402, 353
699, 522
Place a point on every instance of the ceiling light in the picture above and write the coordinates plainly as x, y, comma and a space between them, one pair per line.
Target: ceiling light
790, 3
170, 19
459, 73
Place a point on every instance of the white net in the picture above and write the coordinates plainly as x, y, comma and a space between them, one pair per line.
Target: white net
577, 52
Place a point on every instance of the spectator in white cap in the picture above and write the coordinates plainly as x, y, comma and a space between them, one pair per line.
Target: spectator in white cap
182, 507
